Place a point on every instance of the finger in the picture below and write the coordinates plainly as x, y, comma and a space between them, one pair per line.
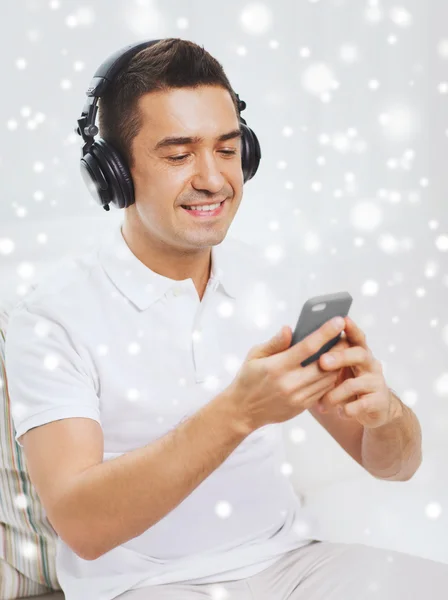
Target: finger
354, 408
357, 357
309, 394
309, 346
303, 377
363, 410
349, 390
343, 343
354, 334
341, 376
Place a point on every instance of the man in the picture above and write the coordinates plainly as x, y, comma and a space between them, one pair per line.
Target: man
156, 459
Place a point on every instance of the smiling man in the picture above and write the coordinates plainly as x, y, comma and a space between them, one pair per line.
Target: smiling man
124, 383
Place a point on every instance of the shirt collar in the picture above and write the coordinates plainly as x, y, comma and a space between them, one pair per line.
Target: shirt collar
143, 286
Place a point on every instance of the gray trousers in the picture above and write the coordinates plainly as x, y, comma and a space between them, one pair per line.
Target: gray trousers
322, 570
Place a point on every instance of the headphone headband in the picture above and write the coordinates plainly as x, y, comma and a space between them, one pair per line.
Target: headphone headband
103, 77
107, 71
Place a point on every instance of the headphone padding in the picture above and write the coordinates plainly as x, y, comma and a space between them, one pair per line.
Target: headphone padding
250, 152
116, 172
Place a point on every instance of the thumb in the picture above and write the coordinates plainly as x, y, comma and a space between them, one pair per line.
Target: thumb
280, 341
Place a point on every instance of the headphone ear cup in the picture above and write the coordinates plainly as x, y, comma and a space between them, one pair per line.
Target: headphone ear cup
116, 173
93, 177
250, 152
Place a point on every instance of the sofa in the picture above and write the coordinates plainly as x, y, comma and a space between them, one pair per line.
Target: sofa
27, 539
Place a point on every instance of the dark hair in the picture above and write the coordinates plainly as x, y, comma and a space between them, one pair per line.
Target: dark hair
170, 63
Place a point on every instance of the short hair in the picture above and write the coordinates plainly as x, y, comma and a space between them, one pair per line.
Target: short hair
168, 64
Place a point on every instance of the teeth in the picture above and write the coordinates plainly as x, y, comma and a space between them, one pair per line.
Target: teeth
206, 207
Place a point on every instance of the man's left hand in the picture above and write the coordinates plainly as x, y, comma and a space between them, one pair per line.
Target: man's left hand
365, 396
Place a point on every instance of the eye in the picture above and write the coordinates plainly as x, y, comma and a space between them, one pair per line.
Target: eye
177, 158
181, 157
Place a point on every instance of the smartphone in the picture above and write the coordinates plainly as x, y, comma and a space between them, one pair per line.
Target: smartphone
315, 312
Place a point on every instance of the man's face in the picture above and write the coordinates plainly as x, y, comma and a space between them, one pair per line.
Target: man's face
202, 171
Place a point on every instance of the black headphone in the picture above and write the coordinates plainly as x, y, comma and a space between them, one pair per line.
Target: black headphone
102, 168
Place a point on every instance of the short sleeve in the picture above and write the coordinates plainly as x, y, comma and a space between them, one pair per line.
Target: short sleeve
48, 380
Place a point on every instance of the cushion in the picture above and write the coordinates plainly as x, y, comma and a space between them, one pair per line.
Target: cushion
27, 539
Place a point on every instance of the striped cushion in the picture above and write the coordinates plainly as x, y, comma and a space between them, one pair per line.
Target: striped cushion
27, 539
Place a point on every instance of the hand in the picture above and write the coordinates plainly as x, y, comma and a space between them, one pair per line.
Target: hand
272, 386
363, 395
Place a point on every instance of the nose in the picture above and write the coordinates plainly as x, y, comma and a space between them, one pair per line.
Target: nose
208, 174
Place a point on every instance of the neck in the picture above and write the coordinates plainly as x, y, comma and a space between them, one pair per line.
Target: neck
167, 260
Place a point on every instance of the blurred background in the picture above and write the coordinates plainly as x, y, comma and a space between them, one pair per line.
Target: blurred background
349, 100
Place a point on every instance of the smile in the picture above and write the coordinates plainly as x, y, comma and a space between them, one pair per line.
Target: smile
206, 214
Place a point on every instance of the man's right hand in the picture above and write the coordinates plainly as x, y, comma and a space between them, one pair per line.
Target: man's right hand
272, 387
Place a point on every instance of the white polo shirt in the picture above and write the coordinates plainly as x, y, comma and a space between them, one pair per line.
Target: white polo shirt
106, 338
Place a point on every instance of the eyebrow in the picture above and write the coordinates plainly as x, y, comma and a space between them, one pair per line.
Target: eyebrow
180, 141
